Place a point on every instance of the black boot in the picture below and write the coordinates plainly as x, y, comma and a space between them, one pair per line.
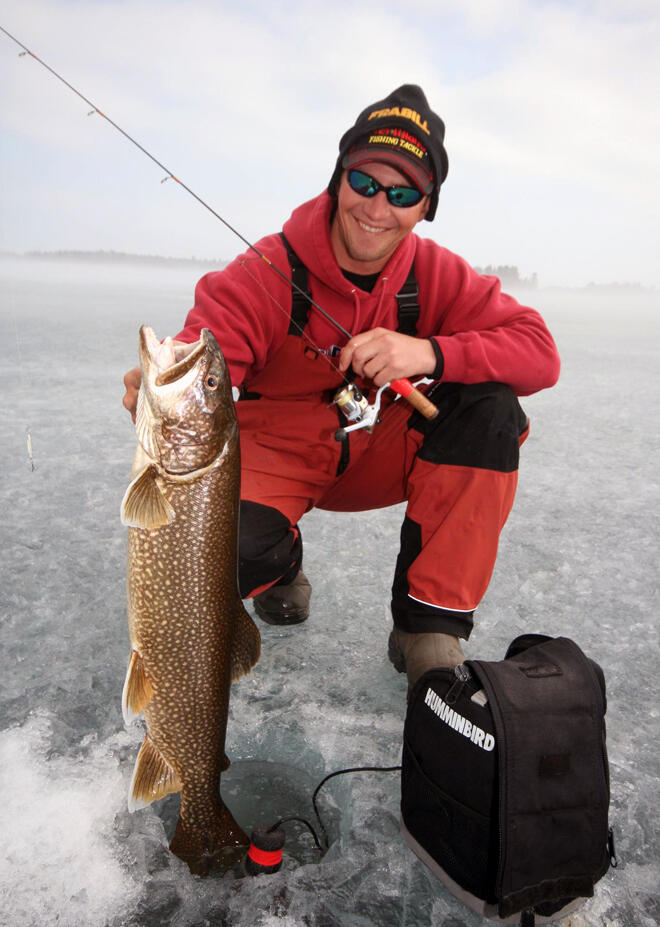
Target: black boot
285, 604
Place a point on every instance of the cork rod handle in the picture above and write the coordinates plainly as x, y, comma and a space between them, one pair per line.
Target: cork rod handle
416, 399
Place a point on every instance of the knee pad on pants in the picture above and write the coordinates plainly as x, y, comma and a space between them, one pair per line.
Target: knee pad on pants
269, 548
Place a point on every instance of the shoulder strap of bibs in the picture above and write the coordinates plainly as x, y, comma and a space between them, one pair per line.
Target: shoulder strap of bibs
408, 304
299, 304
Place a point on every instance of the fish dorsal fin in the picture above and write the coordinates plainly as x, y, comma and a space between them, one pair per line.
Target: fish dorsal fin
246, 645
144, 504
138, 690
153, 777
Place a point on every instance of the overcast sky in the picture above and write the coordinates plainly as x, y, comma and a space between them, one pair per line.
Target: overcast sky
551, 113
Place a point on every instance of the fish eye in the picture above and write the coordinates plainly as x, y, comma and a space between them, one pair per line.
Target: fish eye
212, 382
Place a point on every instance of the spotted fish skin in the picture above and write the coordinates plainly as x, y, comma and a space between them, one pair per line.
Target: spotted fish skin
190, 635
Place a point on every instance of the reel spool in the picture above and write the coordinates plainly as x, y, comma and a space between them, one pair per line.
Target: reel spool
352, 403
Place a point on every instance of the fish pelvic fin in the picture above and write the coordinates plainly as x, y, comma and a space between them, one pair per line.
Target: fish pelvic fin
138, 689
247, 645
153, 777
144, 504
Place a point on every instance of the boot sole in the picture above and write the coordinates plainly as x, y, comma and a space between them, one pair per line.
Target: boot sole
280, 619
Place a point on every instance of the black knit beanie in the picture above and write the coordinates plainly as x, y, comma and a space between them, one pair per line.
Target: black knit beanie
401, 130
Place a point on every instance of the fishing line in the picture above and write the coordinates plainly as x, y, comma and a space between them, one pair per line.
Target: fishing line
303, 332
19, 353
95, 109
409, 393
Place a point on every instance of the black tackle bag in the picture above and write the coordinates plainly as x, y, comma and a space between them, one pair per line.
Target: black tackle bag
505, 782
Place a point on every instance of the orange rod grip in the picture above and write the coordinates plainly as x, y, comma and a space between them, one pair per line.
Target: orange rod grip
403, 387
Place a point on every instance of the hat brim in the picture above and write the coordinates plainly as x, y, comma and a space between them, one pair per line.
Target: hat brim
414, 172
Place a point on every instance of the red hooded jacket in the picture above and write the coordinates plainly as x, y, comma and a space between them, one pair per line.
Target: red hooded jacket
483, 334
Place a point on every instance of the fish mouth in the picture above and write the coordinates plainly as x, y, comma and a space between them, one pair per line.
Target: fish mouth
185, 356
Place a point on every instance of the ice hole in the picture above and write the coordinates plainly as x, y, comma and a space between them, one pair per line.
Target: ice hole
259, 792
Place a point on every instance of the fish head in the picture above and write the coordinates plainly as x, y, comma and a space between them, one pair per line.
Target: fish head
185, 413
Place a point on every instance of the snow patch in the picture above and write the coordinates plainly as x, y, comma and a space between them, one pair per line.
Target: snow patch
60, 860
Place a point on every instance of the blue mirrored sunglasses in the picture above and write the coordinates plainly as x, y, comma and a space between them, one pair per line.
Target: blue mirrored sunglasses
396, 195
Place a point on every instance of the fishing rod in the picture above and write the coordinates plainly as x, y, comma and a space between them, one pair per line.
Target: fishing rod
95, 109
355, 406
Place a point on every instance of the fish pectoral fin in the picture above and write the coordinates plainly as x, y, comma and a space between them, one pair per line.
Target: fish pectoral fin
247, 645
145, 505
153, 777
138, 689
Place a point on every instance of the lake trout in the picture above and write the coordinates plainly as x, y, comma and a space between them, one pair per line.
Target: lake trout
190, 634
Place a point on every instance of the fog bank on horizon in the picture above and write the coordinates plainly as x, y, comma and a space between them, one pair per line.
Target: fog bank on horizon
550, 111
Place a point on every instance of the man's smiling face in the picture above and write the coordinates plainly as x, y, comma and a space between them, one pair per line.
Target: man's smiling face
366, 231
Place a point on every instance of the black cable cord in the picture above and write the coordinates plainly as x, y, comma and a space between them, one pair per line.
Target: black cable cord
339, 772
301, 821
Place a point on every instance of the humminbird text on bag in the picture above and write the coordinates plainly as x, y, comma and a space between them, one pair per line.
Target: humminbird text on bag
405, 113
460, 724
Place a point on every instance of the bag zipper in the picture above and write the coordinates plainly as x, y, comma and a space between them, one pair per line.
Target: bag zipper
463, 676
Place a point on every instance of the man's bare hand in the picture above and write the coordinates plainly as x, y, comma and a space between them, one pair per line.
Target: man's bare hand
132, 382
382, 355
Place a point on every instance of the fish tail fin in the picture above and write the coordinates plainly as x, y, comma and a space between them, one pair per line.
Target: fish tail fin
153, 777
217, 844
138, 690
247, 645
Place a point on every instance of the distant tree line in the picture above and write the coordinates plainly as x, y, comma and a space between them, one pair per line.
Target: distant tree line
509, 275
638, 287
122, 257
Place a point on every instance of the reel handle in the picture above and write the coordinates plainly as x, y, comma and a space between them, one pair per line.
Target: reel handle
416, 399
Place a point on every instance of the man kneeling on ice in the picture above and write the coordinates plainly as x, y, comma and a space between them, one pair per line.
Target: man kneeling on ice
414, 310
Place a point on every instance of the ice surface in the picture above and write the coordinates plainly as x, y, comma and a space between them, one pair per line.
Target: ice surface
578, 557
58, 823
